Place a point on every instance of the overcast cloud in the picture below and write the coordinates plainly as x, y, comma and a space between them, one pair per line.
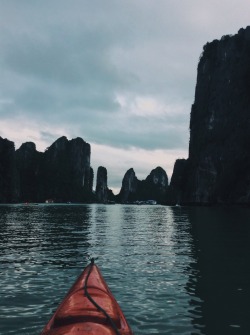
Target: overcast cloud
119, 74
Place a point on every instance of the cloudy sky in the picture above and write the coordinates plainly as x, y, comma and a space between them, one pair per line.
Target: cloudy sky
120, 74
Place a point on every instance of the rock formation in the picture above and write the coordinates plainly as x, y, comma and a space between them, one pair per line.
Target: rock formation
129, 187
61, 173
154, 187
9, 183
218, 167
178, 182
102, 191
28, 160
65, 173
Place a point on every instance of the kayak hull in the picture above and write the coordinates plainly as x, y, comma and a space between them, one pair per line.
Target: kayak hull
79, 315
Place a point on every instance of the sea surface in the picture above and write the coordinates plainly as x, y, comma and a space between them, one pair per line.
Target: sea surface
173, 270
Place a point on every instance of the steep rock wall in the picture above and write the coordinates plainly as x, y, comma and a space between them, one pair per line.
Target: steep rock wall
178, 182
28, 160
61, 173
155, 186
65, 173
218, 168
129, 187
102, 191
9, 181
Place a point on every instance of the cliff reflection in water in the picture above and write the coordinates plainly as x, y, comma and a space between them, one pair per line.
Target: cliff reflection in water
220, 274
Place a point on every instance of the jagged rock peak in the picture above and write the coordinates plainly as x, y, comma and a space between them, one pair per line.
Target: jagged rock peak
158, 176
129, 186
27, 147
60, 142
4, 142
130, 180
243, 34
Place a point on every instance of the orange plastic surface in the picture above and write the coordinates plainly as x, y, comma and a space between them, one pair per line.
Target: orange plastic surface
77, 315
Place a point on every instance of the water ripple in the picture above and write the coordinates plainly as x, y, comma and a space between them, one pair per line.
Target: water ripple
156, 260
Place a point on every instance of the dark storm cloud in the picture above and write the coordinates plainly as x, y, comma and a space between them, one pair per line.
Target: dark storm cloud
68, 64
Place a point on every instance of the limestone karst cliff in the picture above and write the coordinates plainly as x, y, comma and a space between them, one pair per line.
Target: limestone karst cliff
154, 187
9, 182
129, 187
61, 173
28, 161
218, 166
65, 172
178, 182
102, 191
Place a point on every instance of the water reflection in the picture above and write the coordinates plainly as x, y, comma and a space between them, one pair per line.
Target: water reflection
221, 249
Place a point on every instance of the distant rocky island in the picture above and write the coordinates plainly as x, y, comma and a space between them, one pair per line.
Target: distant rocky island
217, 170
63, 174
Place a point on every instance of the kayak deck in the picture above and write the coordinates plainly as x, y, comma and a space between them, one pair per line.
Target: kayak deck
88, 308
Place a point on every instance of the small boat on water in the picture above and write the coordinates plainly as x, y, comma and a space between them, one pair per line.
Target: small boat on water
89, 308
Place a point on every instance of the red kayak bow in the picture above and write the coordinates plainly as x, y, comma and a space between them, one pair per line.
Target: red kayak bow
89, 308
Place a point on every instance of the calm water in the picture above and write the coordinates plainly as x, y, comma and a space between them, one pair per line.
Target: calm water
173, 270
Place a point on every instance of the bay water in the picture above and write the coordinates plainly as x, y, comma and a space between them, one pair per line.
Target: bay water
173, 270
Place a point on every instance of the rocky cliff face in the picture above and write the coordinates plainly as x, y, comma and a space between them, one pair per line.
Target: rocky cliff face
178, 182
65, 173
154, 187
158, 177
102, 191
9, 182
218, 167
129, 187
62, 173
28, 160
